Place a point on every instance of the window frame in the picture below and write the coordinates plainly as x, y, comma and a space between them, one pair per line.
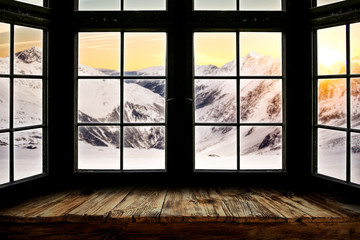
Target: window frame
342, 13
347, 129
121, 124
238, 77
180, 22
12, 76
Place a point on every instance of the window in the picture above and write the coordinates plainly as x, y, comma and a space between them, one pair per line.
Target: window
246, 5
109, 5
337, 108
326, 2
22, 102
238, 100
121, 100
33, 2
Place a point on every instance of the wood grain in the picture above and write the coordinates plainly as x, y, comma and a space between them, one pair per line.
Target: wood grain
138, 212
142, 204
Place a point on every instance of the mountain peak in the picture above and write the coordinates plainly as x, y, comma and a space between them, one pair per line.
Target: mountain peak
30, 55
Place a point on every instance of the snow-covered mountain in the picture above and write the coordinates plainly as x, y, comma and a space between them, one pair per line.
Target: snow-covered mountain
144, 102
27, 96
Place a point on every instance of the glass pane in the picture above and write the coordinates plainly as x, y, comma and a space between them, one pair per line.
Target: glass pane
258, 5
99, 5
144, 101
145, 54
215, 4
144, 148
4, 48
215, 101
332, 102
261, 101
355, 158
28, 51
260, 147
34, 2
99, 54
4, 102
28, 153
99, 100
260, 54
144, 4
99, 148
332, 153
215, 148
332, 50
325, 2
4, 158
28, 102
355, 103
355, 48
215, 54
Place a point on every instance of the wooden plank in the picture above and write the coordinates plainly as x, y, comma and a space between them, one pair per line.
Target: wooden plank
312, 211
194, 205
99, 205
58, 211
198, 231
347, 212
142, 204
32, 207
246, 207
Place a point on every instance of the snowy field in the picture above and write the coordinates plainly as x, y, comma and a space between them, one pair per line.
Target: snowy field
27, 163
108, 158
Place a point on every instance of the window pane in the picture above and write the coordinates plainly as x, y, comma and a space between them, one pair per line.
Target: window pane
4, 102
332, 153
215, 54
144, 147
145, 54
332, 102
28, 102
28, 153
99, 54
332, 50
144, 4
355, 158
261, 101
99, 100
260, 54
325, 2
215, 101
215, 4
260, 147
144, 101
355, 103
258, 5
215, 148
4, 48
34, 2
355, 48
28, 51
4, 158
99, 5
99, 148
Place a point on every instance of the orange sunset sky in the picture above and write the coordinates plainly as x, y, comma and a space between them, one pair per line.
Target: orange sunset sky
142, 50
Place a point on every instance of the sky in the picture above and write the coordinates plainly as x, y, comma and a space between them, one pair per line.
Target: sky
220, 48
141, 50
24, 38
331, 45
